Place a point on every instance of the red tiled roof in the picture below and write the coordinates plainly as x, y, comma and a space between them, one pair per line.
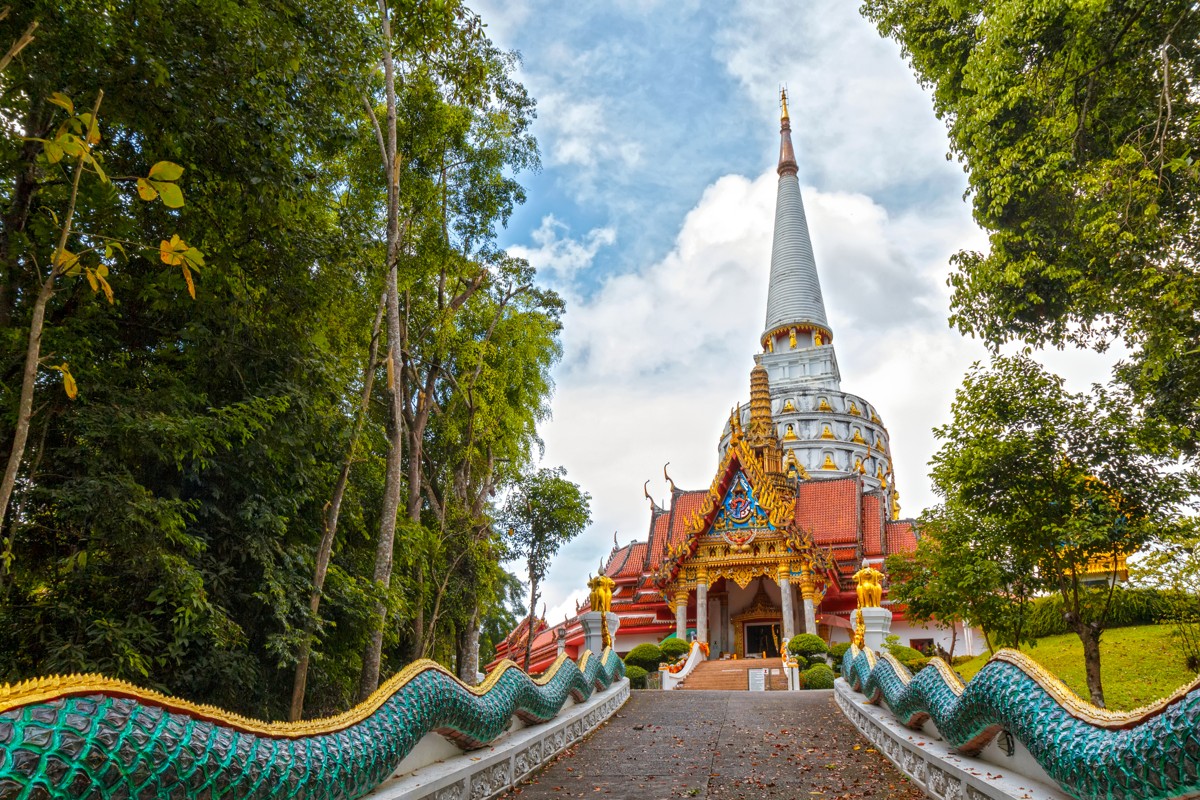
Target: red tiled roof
636, 562
872, 524
901, 537
659, 527
830, 509
643, 619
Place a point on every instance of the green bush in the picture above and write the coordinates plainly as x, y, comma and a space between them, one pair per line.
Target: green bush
807, 644
801, 662
637, 677
818, 677
838, 651
960, 660
915, 665
647, 656
673, 648
1130, 607
902, 653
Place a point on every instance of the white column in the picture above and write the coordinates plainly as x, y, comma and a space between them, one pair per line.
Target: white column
681, 598
702, 612
785, 592
723, 622
810, 611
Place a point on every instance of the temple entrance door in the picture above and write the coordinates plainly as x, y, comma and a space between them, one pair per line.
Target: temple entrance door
760, 638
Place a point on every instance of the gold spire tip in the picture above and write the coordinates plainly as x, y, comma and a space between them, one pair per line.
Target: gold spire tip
783, 101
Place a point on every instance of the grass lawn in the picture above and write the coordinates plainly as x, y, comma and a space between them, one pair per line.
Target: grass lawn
1137, 665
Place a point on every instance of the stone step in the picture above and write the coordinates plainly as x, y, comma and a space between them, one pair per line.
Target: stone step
732, 675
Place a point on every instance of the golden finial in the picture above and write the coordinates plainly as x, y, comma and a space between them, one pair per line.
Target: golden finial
783, 101
668, 477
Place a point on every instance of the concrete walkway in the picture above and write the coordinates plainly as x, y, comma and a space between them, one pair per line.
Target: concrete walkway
725, 745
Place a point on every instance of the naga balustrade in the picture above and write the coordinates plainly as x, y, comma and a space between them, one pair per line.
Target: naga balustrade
88, 736
1152, 753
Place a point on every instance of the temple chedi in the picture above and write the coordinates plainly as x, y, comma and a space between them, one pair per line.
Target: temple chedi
803, 496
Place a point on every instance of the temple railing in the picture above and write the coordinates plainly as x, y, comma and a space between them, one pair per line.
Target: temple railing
1152, 753
89, 736
671, 680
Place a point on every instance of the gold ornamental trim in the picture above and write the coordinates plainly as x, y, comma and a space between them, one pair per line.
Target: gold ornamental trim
53, 687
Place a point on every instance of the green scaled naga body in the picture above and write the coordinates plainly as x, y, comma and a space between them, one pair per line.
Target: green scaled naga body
1152, 753
88, 736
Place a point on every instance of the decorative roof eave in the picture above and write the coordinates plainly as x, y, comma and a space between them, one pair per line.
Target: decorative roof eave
799, 327
780, 510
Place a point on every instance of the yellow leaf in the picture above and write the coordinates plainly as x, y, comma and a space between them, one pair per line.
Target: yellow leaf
62, 101
68, 380
145, 190
66, 262
91, 276
108, 292
165, 171
171, 252
171, 194
187, 276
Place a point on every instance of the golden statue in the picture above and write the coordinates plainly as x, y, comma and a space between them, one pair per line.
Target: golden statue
818, 340
854, 409
790, 434
870, 590
828, 462
824, 405
860, 629
792, 338
601, 600
857, 437
827, 433
788, 406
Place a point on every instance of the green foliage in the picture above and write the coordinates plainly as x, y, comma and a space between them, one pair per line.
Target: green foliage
901, 652
818, 677
165, 521
807, 644
1037, 483
1076, 125
837, 651
647, 656
637, 676
1130, 606
915, 665
673, 648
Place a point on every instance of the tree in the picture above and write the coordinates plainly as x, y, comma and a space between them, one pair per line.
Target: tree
544, 512
964, 570
1076, 123
1063, 479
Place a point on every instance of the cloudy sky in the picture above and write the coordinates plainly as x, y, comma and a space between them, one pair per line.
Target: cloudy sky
658, 124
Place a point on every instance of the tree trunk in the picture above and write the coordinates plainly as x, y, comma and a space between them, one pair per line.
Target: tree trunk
953, 638
372, 656
1090, 637
33, 351
468, 649
330, 520
533, 596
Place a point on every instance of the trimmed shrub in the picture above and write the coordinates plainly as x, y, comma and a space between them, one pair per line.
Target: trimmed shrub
958, 661
818, 677
673, 648
915, 665
647, 656
802, 663
807, 645
637, 677
902, 653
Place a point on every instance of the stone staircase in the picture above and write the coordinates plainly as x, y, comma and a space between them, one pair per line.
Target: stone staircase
731, 676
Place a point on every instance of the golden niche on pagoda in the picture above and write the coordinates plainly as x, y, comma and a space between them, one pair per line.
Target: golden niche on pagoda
857, 437
790, 434
829, 462
827, 433
824, 405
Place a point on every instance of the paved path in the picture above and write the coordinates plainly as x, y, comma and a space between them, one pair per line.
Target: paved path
726, 745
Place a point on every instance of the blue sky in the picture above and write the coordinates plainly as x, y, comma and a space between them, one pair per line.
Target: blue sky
658, 126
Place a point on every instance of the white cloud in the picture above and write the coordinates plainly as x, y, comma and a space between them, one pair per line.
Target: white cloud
558, 257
